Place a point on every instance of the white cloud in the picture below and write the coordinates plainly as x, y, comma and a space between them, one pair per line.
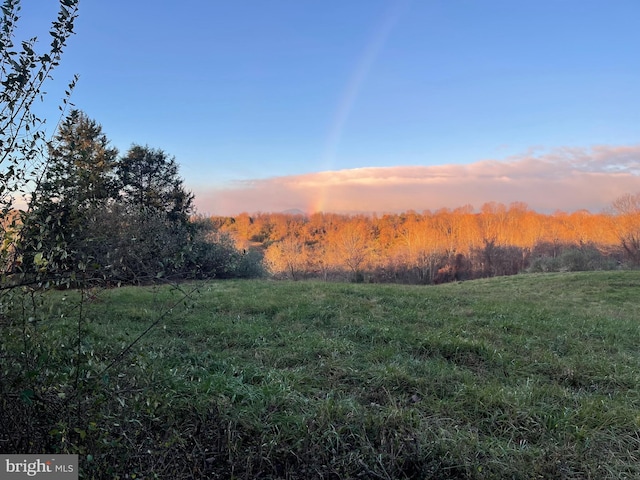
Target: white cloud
563, 179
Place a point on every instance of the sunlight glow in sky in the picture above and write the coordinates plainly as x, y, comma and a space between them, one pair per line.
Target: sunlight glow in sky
384, 105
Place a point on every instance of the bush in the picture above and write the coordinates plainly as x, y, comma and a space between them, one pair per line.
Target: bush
213, 254
251, 265
544, 264
574, 259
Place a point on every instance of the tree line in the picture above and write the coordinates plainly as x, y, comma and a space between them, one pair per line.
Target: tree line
99, 218
440, 246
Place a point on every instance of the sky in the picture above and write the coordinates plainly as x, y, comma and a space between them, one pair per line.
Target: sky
356, 106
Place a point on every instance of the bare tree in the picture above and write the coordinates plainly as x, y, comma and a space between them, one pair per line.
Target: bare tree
627, 211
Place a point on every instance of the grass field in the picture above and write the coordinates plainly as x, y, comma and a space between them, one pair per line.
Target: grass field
533, 376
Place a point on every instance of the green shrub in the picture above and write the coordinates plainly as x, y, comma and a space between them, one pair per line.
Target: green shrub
251, 265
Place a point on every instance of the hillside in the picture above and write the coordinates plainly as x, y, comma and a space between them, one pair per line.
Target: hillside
530, 376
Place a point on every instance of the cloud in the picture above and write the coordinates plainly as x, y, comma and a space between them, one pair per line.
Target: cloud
566, 179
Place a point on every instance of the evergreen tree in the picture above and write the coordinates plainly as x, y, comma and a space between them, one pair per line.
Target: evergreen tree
79, 183
157, 236
150, 182
81, 164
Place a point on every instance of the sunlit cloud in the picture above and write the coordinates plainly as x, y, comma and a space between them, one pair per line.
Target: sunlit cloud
566, 179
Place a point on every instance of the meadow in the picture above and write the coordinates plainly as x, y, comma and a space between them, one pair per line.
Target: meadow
522, 377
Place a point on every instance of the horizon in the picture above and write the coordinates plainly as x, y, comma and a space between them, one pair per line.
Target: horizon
571, 181
331, 106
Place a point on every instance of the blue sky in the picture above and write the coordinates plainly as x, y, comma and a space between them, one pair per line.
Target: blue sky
250, 96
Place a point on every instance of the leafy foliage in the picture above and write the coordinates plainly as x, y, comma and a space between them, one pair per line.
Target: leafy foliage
23, 72
95, 218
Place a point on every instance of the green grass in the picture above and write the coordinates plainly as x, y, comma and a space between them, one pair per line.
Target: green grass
533, 376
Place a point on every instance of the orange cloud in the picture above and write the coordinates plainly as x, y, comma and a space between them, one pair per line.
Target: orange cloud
564, 179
